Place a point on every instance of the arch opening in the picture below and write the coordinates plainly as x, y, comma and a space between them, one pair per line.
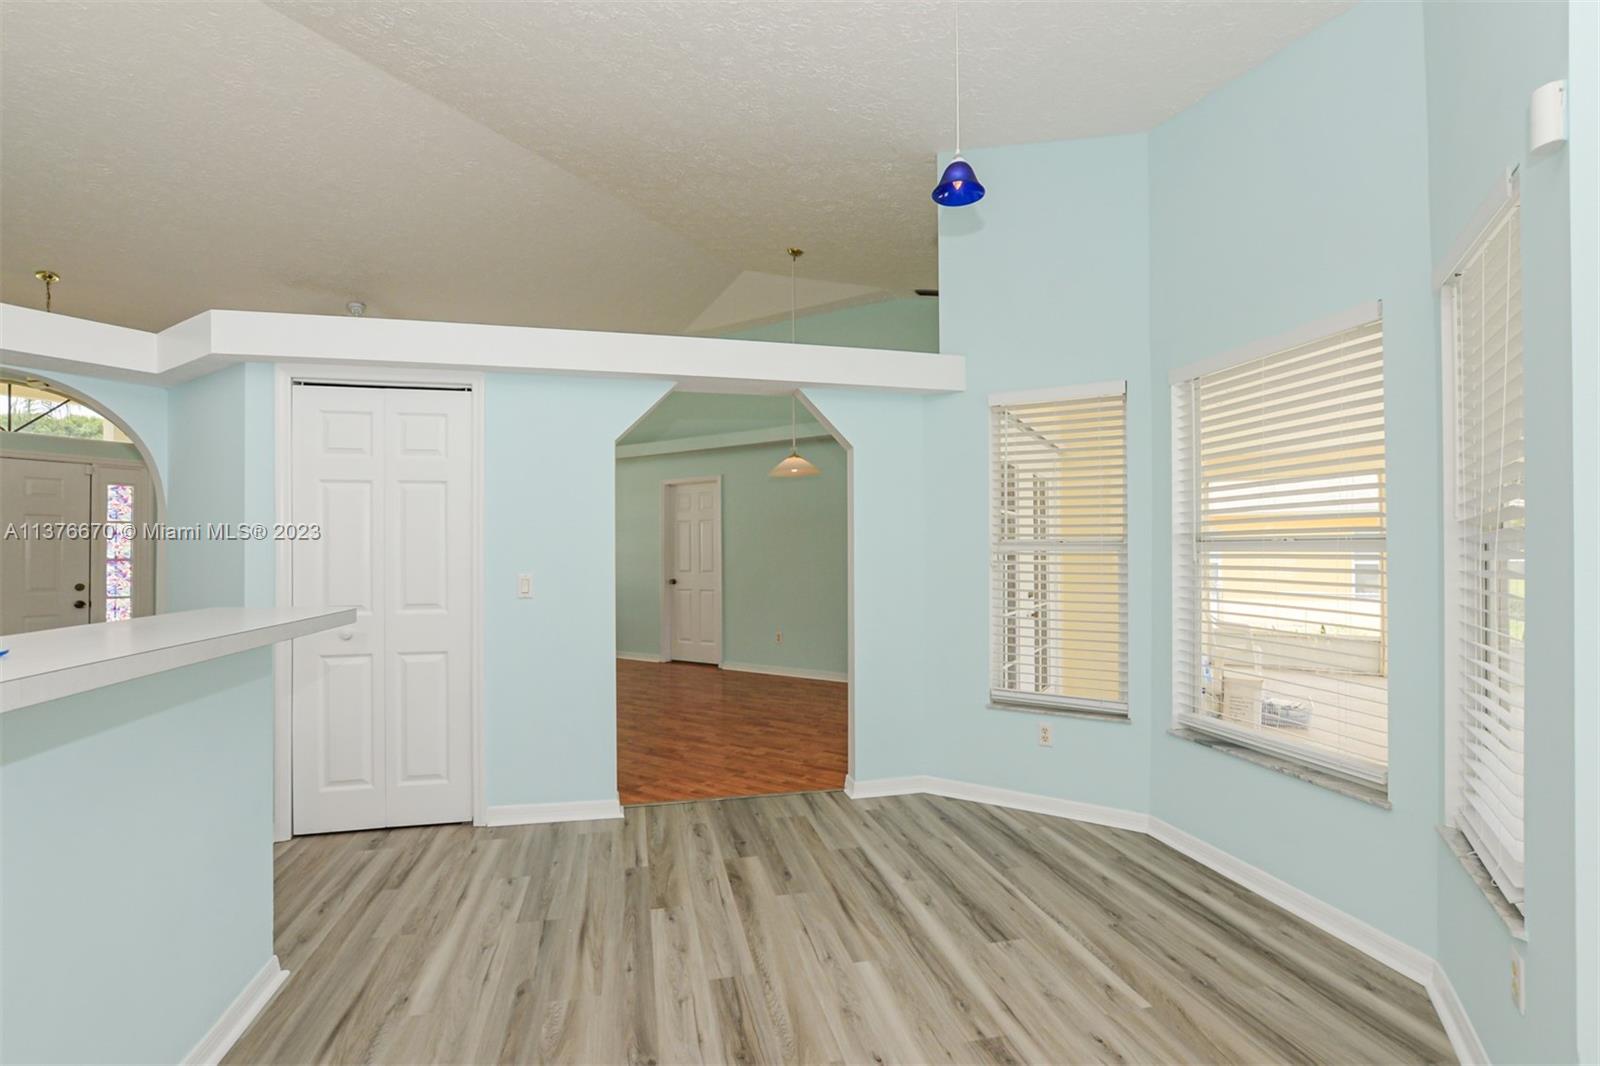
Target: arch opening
758, 701
83, 503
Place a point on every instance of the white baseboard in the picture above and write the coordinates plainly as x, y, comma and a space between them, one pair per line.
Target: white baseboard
1453, 1016
886, 786
1115, 817
1392, 952
640, 657
227, 1029
786, 671
539, 813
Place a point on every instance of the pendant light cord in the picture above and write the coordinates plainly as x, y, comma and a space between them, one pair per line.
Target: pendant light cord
955, 10
794, 433
794, 300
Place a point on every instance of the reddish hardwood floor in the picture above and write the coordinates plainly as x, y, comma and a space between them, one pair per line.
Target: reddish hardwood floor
686, 731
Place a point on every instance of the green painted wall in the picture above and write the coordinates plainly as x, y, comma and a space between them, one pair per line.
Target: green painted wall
907, 324
783, 554
698, 414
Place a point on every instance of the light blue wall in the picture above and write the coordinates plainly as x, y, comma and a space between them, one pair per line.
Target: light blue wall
783, 553
142, 408
212, 443
894, 615
549, 507
550, 688
1044, 283
1483, 61
220, 429
1299, 191
909, 324
136, 886
1294, 193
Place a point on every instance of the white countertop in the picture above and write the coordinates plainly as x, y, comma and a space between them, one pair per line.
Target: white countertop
63, 662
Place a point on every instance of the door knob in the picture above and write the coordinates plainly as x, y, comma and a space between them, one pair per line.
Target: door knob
79, 587
345, 634
80, 603
672, 581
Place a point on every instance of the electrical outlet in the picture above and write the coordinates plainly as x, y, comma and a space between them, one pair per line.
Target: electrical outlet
1519, 988
780, 636
1046, 737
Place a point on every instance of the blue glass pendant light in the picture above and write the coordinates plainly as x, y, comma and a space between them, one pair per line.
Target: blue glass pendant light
958, 185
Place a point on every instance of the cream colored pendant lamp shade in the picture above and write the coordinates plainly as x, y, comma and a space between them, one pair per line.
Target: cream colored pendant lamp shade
796, 465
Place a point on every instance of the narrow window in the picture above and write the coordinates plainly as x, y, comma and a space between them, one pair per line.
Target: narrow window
1280, 558
1059, 551
1487, 552
119, 552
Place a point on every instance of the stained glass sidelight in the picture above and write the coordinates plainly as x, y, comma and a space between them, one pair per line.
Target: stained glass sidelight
119, 552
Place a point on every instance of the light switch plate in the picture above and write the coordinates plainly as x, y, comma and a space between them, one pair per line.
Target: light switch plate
524, 586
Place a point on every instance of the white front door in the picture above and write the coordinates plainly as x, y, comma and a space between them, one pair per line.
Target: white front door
694, 570
382, 708
44, 581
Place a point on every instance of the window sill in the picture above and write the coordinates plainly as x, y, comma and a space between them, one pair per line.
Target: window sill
1055, 709
1355, 790
1461, 848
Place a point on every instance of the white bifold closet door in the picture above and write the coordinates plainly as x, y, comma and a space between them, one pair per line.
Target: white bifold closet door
381, 709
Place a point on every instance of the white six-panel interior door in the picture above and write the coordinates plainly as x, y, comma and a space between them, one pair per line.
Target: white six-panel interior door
381, 710
693, 592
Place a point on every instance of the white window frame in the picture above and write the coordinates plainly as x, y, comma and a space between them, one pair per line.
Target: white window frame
1184, 719
1005, 698
1505, 192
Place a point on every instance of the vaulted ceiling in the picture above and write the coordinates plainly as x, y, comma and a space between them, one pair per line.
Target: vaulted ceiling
625, 166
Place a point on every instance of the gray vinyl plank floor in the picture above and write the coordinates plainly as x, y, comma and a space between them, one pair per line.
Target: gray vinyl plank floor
807, 928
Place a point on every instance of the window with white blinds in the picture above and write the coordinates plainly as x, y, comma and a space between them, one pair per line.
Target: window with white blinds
1488, 551
1280, 569
1059, 559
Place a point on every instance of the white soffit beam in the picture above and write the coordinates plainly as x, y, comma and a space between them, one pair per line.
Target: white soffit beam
214, 339
60, 342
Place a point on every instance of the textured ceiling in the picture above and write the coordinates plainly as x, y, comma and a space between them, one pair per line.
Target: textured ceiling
600, 165
170, 158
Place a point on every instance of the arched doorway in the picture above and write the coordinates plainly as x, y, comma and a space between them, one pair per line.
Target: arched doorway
80, 504
732, 585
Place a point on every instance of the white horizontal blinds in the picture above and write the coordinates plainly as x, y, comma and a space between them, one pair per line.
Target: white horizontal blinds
1490, 551
1186, 677
1059, 573
1281, 489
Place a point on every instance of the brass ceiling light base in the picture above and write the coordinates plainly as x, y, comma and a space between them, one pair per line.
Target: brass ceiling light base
49, 277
